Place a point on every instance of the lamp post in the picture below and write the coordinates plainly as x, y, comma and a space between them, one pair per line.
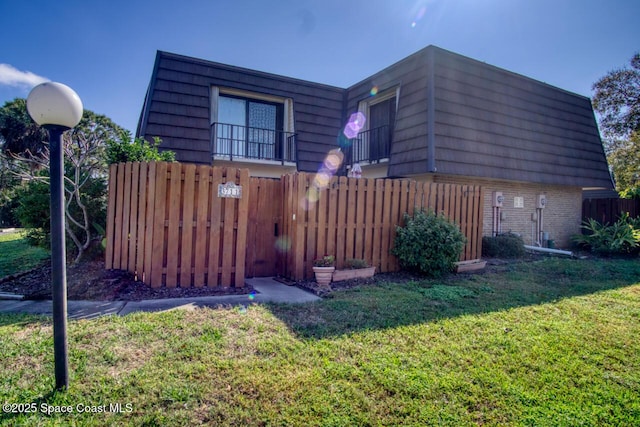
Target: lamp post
57, 108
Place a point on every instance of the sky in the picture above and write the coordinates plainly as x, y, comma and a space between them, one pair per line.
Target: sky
105, 50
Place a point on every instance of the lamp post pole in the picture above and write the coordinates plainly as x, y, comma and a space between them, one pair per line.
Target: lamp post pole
57, 108
58, 257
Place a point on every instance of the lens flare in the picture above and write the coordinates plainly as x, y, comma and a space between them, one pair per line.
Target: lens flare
354, 125
343, 142
333, 160
321, 180
373, 91
313, 194
252, 295
283, 244
419, 16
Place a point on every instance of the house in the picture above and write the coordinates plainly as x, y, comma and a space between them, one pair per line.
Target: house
433, 116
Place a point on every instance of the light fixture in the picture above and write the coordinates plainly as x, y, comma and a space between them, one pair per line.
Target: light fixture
57, 108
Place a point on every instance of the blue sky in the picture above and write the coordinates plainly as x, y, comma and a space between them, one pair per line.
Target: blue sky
105, 50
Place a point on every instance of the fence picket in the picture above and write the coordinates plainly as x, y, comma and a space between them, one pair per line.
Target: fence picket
111, 213
186, 245
158, 244
214, 229
142, 220
133, 217
241, 227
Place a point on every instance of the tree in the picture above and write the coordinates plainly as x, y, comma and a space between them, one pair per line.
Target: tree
84, 183
19, 134
88, 149
617, 100
624, 159
8, 184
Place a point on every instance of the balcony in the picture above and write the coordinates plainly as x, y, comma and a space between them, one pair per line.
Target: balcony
371, 146
234, 142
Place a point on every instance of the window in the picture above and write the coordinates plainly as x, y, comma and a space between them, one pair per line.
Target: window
244, 126
374, 142
248, 128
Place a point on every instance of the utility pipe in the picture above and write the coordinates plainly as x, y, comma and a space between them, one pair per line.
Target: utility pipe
549, 251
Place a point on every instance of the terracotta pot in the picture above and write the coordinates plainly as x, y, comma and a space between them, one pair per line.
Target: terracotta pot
323, 275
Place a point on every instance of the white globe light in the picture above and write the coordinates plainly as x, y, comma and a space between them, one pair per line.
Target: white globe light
55, 104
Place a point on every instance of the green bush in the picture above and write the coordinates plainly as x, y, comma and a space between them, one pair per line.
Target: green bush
138, 150
506, 245
621, 237
428, 244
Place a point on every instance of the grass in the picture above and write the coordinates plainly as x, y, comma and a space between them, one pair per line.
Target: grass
553, 343
18, 255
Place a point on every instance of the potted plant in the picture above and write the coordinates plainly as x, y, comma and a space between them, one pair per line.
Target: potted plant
323, 269
355, 268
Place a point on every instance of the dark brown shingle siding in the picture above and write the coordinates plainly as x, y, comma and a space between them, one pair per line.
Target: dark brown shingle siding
487, 122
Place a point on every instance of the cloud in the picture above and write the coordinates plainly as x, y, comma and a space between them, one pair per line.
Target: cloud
11, 76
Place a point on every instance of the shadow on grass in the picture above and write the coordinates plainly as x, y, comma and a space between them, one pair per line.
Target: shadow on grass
389, 304
23, 319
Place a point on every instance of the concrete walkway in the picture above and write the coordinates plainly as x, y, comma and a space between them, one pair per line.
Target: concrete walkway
267, 290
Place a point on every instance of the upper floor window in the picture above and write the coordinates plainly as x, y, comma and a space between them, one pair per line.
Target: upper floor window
253, 126
373, 143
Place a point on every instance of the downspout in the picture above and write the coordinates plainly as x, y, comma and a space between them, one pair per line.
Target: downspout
431, 103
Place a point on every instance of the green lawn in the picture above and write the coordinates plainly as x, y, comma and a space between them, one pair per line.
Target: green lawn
17, 255
551, 343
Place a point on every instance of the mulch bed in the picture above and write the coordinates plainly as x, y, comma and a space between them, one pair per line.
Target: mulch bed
91, 281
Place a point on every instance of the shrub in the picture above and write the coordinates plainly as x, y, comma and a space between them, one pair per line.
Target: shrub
428, 244
136, 150
622, 237
506, 245
356, 263
325, 261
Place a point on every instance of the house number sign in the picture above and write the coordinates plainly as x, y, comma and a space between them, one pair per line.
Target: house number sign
230, 190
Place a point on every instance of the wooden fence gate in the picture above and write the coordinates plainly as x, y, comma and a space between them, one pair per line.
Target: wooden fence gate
168, 224
264, 227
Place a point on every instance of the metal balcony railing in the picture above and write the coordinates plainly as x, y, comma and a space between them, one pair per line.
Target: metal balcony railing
372, 145
242, 142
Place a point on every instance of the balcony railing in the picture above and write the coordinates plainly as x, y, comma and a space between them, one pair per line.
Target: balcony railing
241, 142
372, 145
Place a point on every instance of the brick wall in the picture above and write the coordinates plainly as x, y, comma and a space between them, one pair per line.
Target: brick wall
561, 216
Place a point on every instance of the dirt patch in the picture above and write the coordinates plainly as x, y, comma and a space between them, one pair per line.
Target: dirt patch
90, 281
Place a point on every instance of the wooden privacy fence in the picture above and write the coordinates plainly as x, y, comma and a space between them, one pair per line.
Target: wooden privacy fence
167, 225
356, 218
609, 210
